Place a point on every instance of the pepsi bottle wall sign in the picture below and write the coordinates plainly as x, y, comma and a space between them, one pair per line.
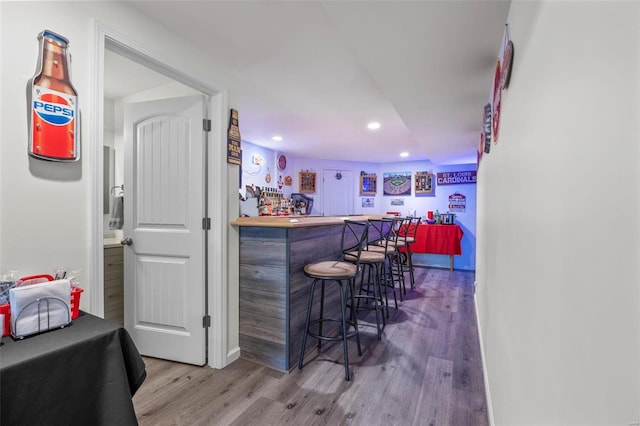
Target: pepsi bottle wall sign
53, 112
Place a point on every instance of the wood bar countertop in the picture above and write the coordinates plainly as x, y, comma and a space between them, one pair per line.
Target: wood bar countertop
299, 221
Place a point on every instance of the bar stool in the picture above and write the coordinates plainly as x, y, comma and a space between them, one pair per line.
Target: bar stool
373, 267
382, 239
354, 238
399, 241
410, 231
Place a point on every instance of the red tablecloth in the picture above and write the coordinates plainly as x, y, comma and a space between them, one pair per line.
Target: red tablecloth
438, 239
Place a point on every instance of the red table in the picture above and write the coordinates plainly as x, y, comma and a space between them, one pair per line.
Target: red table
438, 239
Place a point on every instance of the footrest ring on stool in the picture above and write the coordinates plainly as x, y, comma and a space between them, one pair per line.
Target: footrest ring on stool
332, 338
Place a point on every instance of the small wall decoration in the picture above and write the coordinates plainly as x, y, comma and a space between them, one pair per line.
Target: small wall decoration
234, 150
397, 183
497, 94
487, 128
282, 162
257, 159
507, 59
506, 65
368, 202
397, 202
457, 178
53, 103
288, 181
457, 202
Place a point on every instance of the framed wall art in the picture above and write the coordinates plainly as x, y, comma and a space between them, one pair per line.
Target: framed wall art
423, 183
368, 184
307, 182
397, 183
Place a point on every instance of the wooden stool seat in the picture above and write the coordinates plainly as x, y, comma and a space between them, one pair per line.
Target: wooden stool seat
331, 269
397, 244
380, 249
371, 256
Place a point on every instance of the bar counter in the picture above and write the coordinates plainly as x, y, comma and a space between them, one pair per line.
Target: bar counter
273, 288
298, 221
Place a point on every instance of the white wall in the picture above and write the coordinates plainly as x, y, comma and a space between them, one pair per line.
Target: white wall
41, 201
255, 174
46, 211
558, 222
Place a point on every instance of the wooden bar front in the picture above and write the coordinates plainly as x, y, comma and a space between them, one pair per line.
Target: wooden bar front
273, 288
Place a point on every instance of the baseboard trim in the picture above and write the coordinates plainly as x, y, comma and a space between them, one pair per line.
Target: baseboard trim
233, 355
485, 374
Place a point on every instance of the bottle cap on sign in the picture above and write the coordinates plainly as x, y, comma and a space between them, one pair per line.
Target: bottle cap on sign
57, 37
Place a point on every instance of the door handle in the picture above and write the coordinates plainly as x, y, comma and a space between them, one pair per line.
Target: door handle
127, 241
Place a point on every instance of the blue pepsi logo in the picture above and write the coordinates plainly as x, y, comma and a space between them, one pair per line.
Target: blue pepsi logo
53, 109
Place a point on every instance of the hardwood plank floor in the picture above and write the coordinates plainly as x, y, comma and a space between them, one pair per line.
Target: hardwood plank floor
426, 371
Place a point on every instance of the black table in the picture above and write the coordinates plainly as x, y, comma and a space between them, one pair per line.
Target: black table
83, 374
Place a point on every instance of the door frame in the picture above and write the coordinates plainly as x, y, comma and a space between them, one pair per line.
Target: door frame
216, 287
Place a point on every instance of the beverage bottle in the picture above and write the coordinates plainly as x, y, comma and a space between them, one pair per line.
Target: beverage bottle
53, 113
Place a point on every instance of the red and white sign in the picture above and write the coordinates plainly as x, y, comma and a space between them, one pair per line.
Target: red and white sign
457, 202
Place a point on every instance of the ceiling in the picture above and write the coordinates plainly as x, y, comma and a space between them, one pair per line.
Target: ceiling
316, 72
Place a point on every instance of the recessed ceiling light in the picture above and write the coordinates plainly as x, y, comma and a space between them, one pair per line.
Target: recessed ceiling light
374, 125
404, 154
277, 138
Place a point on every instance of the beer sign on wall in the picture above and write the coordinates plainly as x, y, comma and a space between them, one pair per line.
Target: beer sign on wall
234, 149
53, 103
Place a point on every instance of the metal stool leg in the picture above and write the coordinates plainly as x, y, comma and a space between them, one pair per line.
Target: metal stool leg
382, 279
354, 317
410, 266
306, 324
391, 280
402, 289
374, 280
376, 300
345, 348
321, 312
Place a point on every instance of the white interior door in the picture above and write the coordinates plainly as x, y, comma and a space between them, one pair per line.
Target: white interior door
163, 211
337, 194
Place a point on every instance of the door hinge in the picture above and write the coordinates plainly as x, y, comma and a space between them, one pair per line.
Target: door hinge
206, 125
206, 321
206, 223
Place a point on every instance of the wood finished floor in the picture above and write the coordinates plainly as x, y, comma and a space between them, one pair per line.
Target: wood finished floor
425, 371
